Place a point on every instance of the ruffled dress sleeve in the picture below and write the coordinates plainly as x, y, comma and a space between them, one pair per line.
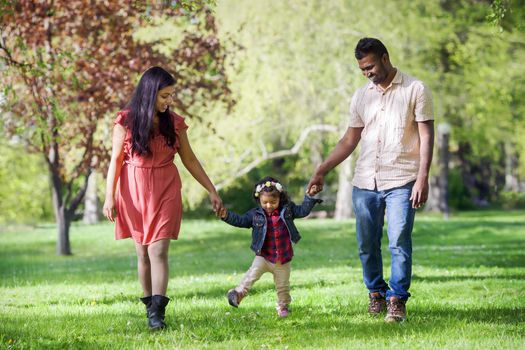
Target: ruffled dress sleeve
179, 124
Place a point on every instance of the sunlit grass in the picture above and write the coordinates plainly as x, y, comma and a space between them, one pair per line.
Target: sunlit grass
468, 289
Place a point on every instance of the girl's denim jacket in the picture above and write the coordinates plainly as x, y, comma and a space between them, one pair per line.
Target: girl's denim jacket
256, 219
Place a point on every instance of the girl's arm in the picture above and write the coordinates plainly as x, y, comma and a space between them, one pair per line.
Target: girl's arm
234, 219
115, 165
300, 211
196, 170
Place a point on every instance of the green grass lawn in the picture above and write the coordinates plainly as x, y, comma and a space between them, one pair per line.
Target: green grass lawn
468, 290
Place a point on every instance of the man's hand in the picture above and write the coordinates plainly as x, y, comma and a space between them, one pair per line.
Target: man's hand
315, 185
419, 194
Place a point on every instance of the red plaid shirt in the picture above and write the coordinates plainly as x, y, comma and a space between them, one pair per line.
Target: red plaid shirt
277, 245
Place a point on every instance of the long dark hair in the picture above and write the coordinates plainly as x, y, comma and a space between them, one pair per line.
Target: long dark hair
142, 109
272, 190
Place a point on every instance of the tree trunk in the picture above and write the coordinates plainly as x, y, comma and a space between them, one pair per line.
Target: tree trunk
469, 181
63, 224
512, 182
444, 156
433, 194
63, 218
91, 202
343, 203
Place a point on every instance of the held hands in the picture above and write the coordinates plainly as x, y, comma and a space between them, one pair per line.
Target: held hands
216, 203
222, 213
315, 185
312, 191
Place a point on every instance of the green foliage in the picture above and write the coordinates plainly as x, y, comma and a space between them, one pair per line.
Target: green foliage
289, 73
512, 200
507, 15
193, 5
238, 196
476, 75
296, 68
24, 193
459, 195
499, 9
468, 290
166, 33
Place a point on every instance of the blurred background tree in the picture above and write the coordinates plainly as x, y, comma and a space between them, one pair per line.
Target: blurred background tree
68, 66
296, 68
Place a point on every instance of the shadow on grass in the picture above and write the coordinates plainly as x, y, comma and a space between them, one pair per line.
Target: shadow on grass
437, 278
221, 249
311, 325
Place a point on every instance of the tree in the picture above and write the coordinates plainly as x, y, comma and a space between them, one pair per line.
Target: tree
296, 69
469, 60
265, 155
70, 64
290, 73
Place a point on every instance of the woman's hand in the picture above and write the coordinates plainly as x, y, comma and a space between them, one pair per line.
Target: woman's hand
109, 209
216, 203
222, 213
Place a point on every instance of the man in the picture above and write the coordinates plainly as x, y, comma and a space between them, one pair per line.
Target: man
392, 117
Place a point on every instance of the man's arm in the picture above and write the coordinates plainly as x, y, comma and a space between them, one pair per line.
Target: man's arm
426, 138
342, 150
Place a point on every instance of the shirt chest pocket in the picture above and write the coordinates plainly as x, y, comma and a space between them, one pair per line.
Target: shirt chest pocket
395, 131
401, 116
399, 125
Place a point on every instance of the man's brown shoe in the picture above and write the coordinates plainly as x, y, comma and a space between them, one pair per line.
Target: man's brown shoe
377, 303
396, 310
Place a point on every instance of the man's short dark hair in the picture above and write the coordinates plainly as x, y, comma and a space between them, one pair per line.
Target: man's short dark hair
366, 46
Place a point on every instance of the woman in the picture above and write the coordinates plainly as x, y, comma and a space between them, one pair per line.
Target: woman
144, 186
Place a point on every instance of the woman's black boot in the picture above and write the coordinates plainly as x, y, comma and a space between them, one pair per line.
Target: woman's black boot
147, 301
157, 311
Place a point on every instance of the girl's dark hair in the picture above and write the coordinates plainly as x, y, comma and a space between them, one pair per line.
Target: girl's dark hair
367, 46
142, 107
283, 196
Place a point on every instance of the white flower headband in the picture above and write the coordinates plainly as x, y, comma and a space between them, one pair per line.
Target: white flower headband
259, 187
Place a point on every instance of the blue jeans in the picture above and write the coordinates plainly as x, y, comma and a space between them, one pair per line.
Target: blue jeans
369, 208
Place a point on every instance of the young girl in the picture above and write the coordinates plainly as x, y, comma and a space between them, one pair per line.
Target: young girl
143, 183
273, 232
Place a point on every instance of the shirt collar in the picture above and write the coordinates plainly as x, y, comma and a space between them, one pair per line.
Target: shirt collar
273, 213
398, 79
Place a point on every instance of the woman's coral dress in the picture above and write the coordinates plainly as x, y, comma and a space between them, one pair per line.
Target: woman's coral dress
148, 199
